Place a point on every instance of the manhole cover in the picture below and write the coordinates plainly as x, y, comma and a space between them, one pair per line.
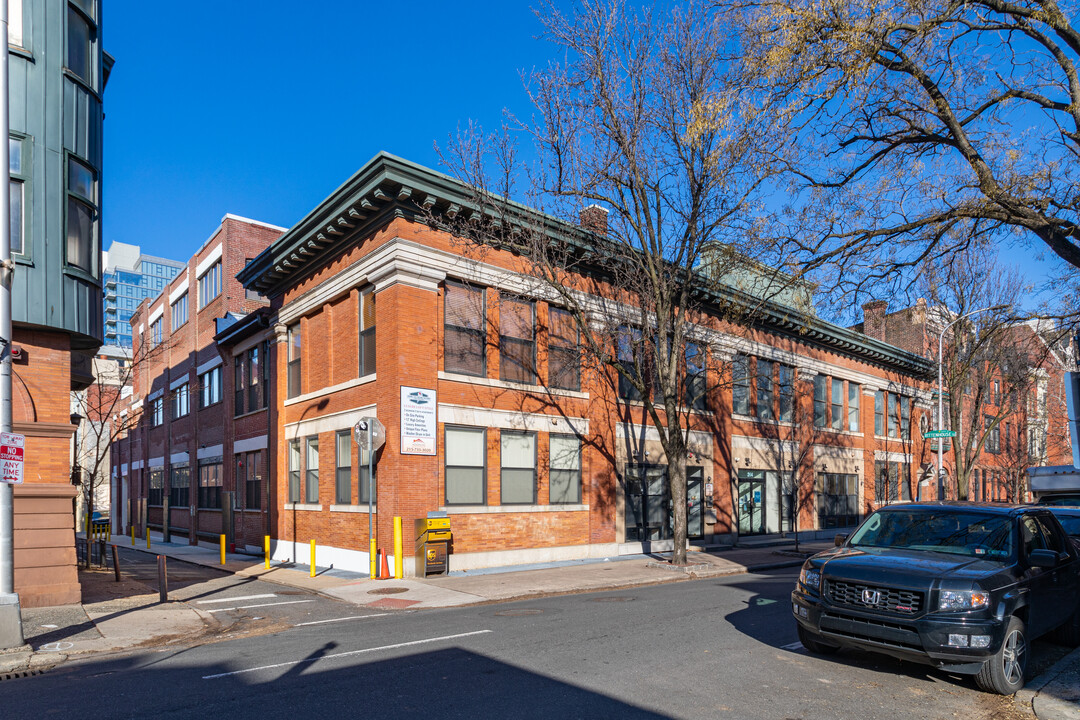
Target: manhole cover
518, 613
388, 591
614, 598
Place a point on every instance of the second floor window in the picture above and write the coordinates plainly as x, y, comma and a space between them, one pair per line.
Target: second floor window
179, 312
853, 407
740, 385
181, 405
81, 216
821, 400
367, 333
210, 284
837, 404
993, 435
294, 345
564, 364
19, 168
465, 330
695, 377
157, 412
155, 333
210, 387
787, 392
517, 340
764, 405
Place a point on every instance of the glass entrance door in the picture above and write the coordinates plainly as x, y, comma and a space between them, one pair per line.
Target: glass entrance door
751, 502
647, 502
694, 505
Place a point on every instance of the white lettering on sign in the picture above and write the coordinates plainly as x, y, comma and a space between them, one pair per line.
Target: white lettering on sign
11, 458
417, 421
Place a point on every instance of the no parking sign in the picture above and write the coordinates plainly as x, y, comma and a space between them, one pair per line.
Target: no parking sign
11, 458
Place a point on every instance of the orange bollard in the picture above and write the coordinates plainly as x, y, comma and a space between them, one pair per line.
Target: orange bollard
384, 573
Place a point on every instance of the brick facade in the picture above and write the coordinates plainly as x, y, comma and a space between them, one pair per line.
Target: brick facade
407, 265
191, 375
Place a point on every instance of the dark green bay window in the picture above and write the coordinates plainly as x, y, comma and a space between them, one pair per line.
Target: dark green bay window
81, 215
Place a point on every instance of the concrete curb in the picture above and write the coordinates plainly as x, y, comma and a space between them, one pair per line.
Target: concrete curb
1026, 696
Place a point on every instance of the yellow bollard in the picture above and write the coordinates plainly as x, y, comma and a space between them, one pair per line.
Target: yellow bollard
147, 538
373, 552
223, 549
399, 560
312, 558
133, 533
266, 550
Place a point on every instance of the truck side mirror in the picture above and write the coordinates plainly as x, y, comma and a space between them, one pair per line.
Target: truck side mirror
839, 540
1043, 559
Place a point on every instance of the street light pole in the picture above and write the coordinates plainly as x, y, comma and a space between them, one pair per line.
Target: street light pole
940, 390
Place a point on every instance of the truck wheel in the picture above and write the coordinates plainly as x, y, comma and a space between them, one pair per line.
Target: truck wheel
1004, 672
814, 643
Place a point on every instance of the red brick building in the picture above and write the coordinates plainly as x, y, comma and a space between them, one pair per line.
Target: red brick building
201, 391
1017, 408
376, 312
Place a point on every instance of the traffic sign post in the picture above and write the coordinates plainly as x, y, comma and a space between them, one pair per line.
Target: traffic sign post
370, 435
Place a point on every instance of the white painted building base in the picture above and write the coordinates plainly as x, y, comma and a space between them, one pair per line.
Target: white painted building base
282, 551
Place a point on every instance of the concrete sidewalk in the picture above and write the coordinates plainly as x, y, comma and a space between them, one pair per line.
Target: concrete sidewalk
492, 585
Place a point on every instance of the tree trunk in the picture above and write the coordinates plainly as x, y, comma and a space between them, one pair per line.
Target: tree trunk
677, 481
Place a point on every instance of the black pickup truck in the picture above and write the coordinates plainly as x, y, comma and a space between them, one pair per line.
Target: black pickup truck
960, 586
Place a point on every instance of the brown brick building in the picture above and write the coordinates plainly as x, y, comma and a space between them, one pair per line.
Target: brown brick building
200, 389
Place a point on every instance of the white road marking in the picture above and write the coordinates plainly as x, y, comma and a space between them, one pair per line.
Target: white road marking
351, 617
792, 646
346, 654
245, 607
236, 599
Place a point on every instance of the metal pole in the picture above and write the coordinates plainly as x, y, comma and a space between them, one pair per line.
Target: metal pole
940, 413
10, 616
370, 503
940, 398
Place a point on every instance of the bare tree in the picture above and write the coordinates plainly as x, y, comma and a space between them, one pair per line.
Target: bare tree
915, 130
640, 120
990, 361
108, 415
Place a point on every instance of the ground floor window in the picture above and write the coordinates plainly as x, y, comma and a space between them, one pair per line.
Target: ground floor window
564, 473
156, 495
837, 500
764, 504
465, 467
210, 484
892, 482
649, 513
179, 484
647, 503
249, 476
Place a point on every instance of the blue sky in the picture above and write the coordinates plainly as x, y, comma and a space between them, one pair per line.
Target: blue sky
261, 109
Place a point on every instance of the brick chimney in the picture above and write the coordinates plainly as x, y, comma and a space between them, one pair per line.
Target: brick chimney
874, 319
594, 219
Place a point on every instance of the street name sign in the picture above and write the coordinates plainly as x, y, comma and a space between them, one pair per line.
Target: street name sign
939, 434
11, 458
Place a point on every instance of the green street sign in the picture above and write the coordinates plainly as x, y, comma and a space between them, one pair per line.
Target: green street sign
939, 434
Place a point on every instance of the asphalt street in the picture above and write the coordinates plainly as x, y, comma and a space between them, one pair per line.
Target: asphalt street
710, 648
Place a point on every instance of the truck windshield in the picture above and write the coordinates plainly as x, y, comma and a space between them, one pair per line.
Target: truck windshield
980, 535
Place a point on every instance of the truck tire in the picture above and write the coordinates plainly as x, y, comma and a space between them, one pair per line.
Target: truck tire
814, 643
1004, 672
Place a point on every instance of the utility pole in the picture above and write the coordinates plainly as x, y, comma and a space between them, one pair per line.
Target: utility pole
11, 634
